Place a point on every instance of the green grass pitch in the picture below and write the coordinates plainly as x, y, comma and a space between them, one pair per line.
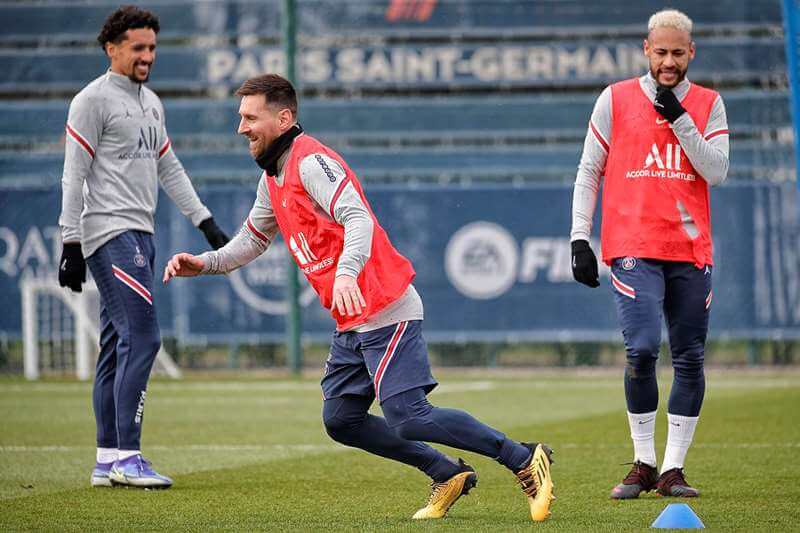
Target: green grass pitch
250, 455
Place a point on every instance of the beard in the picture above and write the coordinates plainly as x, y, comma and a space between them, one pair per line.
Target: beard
258, 147
680, 75
135, 79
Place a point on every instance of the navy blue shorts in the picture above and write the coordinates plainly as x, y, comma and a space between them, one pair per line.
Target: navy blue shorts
379, 363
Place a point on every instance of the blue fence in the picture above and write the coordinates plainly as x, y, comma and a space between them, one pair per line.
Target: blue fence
397, 139
750, 113
493, 263
417, 165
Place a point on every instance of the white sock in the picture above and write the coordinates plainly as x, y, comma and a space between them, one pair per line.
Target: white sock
680, 431
643, 433
107, 455
124, 454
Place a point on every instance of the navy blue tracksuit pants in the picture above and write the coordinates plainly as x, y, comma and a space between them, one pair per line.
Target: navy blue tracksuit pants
644, 289
129, 337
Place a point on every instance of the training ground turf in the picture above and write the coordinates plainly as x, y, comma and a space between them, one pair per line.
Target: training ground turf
252, 455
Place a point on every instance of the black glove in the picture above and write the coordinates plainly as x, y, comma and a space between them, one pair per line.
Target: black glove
72, 267
667, 104
584, 264
215, 236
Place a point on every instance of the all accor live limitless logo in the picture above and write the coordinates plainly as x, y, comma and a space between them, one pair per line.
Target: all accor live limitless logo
302, 252
663, 164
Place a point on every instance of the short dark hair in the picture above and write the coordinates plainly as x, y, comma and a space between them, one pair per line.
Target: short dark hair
277, 91
123, 19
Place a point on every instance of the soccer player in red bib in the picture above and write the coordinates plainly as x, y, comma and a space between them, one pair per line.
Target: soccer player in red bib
661, 142
311, 196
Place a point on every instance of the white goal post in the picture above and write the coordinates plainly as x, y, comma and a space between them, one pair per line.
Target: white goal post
60, 321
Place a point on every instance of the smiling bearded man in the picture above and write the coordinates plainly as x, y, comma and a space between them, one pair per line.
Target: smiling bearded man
309, 195
117, 152
661, 142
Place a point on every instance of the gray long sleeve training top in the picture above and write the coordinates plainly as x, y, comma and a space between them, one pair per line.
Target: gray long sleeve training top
117, 150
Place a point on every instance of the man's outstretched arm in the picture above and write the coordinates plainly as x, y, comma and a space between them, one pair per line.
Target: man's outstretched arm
238, 252
183, 265
253, 239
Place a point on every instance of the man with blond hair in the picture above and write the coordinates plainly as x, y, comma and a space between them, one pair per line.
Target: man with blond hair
661, 142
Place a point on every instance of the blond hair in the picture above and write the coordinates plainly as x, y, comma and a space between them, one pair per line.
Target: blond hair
670, 18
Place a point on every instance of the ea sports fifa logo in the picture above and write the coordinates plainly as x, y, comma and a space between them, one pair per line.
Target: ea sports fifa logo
481, 260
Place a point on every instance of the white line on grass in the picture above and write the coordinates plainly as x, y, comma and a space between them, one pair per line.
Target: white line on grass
233, 386
309, 448
715, 445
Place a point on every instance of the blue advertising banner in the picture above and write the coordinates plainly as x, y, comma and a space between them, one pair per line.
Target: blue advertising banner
493, 263
578, 63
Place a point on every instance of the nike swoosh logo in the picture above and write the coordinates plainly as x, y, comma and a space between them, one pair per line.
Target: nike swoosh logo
660, 121
646, 421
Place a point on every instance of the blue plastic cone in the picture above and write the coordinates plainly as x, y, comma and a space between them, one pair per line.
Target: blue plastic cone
678, 516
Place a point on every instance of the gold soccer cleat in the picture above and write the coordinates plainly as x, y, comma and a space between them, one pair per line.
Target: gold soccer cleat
445, 494
536, 482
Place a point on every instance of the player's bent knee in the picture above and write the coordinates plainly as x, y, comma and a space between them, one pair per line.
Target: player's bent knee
342, 417
336, 428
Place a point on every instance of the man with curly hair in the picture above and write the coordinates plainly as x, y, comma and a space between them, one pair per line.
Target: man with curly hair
117, 151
